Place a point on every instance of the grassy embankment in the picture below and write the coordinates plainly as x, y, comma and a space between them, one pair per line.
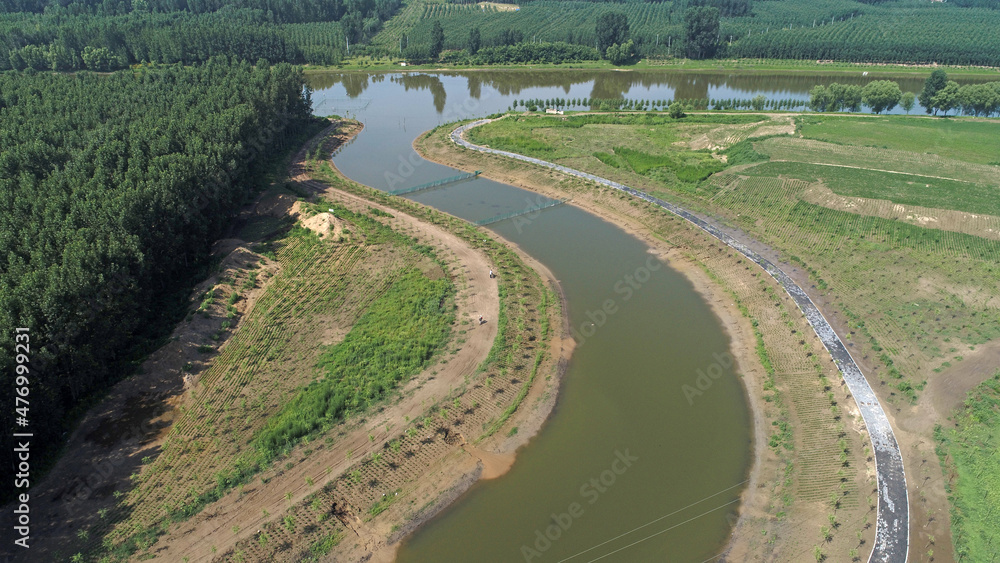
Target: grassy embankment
887, 215
814, 474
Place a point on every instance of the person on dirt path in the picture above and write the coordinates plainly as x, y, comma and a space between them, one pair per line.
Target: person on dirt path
481, 321
491, 274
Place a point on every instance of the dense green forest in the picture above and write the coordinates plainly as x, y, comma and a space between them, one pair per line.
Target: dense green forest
113, 188
100, 36
111, 34
889, 31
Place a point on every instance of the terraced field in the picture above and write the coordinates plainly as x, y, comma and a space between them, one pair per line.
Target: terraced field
319, 292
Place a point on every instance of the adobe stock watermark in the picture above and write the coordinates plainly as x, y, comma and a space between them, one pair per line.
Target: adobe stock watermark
83, 486
591, 492
407, 165
626, 288
532, 209
707, 377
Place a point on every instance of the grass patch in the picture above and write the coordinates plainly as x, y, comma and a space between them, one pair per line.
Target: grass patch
611, 160
522, 144
393, 340
962, 139
743, 153
325, 544
972, 454
643, 162
905, 189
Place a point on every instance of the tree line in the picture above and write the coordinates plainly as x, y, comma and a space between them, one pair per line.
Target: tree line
938, 95
113, 188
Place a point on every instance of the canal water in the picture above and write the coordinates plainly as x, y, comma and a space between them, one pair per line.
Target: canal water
626, 468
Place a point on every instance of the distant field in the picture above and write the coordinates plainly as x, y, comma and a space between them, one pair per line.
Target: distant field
898, 188
962, 139
545, 20
845, 30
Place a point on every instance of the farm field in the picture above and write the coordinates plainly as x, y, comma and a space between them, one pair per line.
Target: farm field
967, 140
915, 302
840, 30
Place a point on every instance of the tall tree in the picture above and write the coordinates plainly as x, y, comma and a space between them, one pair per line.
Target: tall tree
936, 81
611, 29
437, 39
819, 98
701, 26
906, 101
475, 41
621, 54
946, 98
881, 95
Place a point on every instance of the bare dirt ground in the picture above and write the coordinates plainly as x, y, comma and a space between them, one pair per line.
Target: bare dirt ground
758, 534
499, 7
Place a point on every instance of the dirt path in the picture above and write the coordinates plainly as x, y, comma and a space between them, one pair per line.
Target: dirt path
245, 510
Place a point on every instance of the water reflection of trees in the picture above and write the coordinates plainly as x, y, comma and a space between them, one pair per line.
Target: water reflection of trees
605, 84
421, 82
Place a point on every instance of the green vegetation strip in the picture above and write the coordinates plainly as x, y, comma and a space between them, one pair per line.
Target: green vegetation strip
394, 340
510, 339
899, 188
972, 452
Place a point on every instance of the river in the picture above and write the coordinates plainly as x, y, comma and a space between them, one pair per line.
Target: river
626, 469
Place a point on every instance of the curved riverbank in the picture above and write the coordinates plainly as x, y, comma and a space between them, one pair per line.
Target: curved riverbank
892, 526
475, 457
